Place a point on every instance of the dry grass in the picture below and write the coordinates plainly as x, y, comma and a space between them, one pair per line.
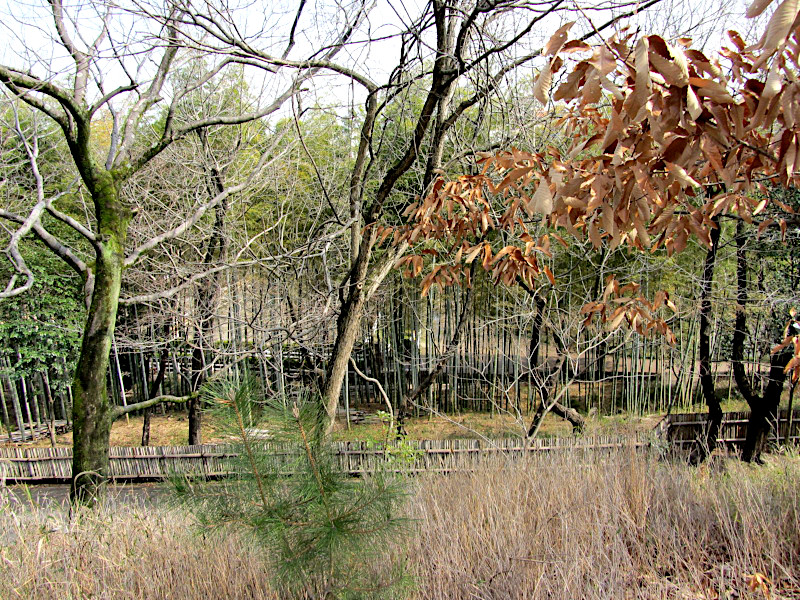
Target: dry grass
558, 526
128, 552
620, 527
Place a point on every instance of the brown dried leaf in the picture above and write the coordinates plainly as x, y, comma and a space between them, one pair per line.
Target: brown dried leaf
778, 28
541, 89
557, 40
757, 7
640, 94
542, 200
668, 61
693, 103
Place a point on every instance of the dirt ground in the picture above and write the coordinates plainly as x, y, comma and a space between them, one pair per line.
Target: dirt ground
172, 429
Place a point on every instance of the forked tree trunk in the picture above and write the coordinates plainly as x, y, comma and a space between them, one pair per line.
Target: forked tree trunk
764, 414
763, 410
572, 416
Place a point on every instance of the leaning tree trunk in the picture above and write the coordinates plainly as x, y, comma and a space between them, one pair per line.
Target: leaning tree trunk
91, 409
348, 327
706, 380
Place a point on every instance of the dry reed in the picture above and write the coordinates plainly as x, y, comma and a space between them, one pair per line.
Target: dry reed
620, 525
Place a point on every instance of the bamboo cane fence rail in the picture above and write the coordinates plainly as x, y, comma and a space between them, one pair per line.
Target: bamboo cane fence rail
677, 431
684, 430
31, 465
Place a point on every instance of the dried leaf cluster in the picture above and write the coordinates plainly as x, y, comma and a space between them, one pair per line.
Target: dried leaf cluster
659, 139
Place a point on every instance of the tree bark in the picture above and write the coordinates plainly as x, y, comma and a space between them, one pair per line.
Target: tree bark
763, 410
706, 380
91, 409
162, 369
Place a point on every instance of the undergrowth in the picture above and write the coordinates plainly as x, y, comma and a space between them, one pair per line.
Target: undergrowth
570, 525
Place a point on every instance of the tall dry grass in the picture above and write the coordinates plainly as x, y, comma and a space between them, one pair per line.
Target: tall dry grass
565, 526
122, 551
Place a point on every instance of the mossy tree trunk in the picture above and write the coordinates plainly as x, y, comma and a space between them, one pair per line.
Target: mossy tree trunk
92, 413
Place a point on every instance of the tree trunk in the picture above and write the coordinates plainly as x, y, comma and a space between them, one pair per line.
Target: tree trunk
206, 300
449, 351
572, 416
194, 405
162, 368
764, 414
206, 297
762, 409
91, 410
546, 405
740, 321
348, 327
536, 334
706, 380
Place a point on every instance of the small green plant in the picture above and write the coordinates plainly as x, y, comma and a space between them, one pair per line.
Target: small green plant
398, 454
327, 535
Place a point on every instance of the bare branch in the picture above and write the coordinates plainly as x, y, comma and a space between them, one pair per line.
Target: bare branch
118, 411
202, 209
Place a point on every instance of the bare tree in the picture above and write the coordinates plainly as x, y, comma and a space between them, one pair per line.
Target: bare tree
123, 70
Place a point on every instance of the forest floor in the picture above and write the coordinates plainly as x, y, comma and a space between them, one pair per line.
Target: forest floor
171, 429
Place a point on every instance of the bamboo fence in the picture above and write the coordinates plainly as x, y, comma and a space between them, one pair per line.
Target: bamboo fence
678, 431
32, 465
683, 430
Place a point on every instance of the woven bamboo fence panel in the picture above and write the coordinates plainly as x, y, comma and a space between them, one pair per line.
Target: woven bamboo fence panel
684, 430
679, 431
156, 462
